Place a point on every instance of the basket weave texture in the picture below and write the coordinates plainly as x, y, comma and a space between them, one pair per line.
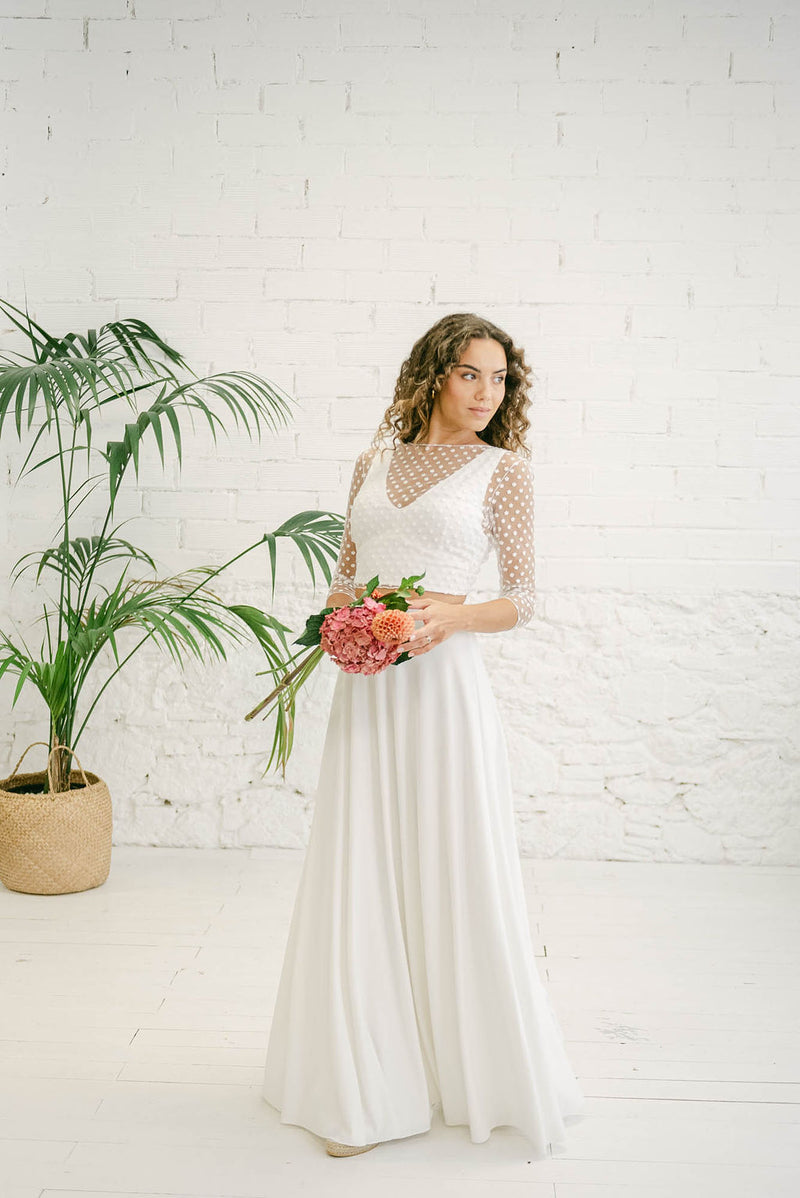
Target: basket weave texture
55, 843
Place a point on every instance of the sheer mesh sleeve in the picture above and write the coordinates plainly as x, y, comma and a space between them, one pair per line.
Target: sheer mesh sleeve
511, 523
344, 572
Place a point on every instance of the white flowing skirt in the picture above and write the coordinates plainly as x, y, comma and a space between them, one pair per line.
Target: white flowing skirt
409, 980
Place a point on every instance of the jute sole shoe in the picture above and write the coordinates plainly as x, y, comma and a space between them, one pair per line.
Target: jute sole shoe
334, 1148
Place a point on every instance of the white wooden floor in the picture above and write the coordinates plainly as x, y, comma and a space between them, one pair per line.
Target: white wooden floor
134, 1021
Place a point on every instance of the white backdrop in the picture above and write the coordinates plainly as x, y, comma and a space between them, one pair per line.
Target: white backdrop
301, 189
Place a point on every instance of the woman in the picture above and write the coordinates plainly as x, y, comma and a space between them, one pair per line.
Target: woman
409, 980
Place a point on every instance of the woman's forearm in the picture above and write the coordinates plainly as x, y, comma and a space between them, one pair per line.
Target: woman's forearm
496, 615
338, 599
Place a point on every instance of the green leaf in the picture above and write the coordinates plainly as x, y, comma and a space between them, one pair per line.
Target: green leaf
312, 633
24, 673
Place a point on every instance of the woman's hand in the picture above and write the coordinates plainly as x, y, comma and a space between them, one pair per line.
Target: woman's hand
440, 620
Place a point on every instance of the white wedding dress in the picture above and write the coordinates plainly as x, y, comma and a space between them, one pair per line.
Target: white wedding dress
409, 980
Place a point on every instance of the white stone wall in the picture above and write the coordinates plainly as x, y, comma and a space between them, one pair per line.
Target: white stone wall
301, 189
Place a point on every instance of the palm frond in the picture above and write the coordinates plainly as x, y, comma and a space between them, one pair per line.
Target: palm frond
316, 534
243, 393
15, 381
77, 556
14, 660
28, 327
72, 382
131, 336
179, 621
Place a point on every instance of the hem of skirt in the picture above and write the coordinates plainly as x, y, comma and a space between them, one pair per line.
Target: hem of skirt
534, 1152
342, 1139
554, 1147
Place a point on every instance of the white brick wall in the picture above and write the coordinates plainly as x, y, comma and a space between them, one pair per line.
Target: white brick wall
300, 188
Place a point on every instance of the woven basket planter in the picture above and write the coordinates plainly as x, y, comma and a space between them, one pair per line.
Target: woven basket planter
54, 843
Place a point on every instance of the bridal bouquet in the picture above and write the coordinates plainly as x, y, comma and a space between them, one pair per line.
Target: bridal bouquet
362, 637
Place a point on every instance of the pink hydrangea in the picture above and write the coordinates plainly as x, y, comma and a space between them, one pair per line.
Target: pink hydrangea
346, 635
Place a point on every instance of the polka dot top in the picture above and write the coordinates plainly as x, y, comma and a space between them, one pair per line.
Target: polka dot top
441, 509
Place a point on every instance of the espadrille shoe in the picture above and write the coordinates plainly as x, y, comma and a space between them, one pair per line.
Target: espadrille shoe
334, 1148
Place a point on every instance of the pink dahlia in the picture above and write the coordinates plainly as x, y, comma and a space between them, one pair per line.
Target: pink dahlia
346, 635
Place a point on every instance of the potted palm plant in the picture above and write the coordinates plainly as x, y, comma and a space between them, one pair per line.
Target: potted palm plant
55, 829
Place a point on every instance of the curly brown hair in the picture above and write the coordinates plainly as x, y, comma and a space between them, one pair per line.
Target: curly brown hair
428, 366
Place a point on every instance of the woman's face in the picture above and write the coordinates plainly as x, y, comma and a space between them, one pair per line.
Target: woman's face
475, 387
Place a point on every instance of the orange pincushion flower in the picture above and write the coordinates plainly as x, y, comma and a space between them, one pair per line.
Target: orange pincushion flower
393, 626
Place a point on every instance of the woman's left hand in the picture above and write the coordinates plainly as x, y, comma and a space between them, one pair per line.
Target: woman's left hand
440, 620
